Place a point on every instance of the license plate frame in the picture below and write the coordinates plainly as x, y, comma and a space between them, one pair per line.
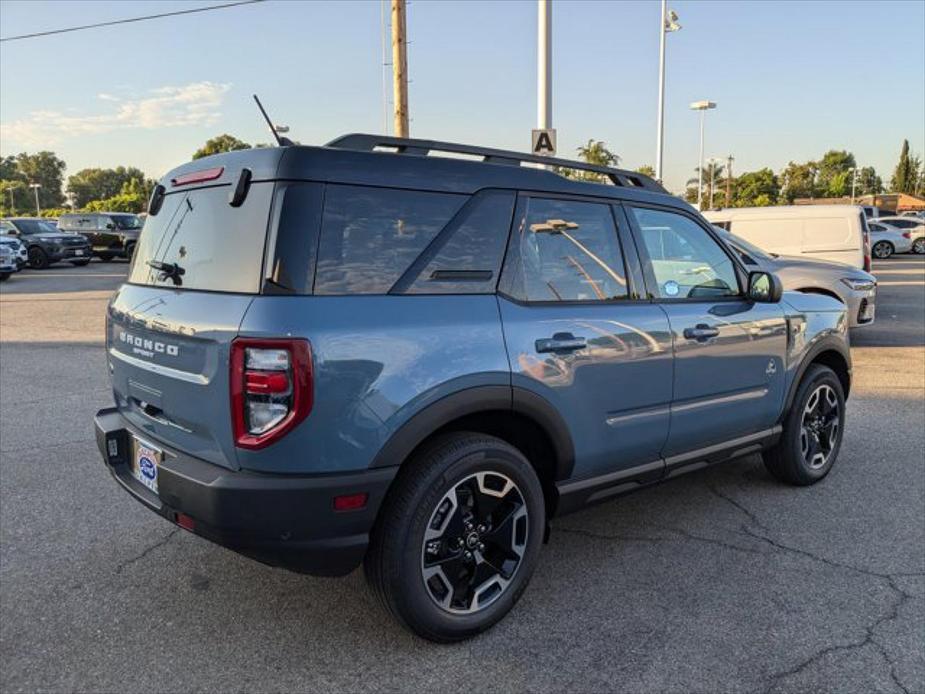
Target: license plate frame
145, 463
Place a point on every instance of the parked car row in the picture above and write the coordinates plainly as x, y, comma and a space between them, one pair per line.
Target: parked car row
74, 238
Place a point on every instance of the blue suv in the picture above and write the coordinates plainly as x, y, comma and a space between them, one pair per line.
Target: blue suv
371, 353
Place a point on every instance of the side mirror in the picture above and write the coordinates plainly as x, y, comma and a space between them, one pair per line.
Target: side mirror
764, 287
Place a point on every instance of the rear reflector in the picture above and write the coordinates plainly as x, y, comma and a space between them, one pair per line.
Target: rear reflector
198, 176
186, 522
257, 382
350, 502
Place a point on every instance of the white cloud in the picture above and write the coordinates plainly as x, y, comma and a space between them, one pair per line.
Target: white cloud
193, 104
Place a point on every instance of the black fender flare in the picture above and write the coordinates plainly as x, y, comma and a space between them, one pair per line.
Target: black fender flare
829, 343
473, 401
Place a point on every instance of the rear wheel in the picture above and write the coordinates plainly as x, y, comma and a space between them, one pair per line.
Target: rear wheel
79, 263
813, 430
882, 250
918, 246
130, 252
4, 276
38, 259
458, 537
105, 257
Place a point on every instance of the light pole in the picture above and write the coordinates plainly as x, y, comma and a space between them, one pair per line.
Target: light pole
544, 65
12, 205
703, 107
669, 24
713, 162
35, 187
854, 181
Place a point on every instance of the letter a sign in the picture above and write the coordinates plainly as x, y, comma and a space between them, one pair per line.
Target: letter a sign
544, 142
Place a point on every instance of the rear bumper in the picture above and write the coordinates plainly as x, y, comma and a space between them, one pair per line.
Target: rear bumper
281, 520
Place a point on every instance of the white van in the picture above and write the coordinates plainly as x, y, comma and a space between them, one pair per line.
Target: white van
819, 232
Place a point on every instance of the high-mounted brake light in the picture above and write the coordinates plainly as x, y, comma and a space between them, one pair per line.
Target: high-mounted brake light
198, 176
271, 388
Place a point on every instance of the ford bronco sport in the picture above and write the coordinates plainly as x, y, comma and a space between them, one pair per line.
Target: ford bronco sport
370, 353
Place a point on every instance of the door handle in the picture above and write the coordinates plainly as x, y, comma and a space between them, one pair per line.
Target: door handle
700, 332
561, 342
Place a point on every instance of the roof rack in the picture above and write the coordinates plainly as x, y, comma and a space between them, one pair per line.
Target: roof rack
402, 145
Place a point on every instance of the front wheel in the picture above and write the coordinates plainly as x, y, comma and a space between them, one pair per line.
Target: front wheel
38, 259
882, 250
458, 536
813, 430
918, 246
106, 257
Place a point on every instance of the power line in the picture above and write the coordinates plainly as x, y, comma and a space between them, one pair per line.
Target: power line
130, 20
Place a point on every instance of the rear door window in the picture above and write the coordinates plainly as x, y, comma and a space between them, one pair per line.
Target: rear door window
370, 236
565, 250
218, 247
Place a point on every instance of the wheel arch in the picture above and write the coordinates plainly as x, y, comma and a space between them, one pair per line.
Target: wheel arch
522, 418
831, 353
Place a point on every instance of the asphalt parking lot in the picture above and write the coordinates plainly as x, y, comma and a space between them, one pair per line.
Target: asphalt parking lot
720, 581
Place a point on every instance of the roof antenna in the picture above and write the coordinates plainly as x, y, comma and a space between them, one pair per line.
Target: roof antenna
281, 141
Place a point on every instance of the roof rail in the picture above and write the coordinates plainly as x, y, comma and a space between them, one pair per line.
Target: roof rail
402, 145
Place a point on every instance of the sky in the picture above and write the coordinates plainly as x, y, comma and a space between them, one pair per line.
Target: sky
791, 79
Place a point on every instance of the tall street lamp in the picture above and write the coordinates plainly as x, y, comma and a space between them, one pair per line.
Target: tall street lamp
669, 24
35, 187
703, 107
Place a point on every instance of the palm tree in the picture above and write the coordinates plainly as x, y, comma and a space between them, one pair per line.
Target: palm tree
713, 182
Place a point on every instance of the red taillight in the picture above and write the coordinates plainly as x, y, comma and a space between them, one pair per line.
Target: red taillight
186, 522
907, 234
350, 502
271, 388
198, 176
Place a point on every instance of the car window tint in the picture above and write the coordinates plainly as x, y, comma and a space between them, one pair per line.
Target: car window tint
469, 259
686, 261
370, 236
566, 251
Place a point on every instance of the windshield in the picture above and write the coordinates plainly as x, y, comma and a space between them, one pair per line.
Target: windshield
35, 226
750, 248
126, 221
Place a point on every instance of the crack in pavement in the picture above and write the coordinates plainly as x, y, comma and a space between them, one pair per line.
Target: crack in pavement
147, 550
869, 630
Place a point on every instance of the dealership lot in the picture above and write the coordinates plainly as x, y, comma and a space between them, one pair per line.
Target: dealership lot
718, 581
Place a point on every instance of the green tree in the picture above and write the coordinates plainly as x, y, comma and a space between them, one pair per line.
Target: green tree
595, 152
47, 170
217, 145
717, 172
99, 184
869, 183
8, 168
17, 202
646, 170
799, 181
905, 176
756, 189
834, 173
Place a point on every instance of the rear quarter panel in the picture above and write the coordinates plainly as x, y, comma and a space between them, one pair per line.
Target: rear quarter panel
377, 360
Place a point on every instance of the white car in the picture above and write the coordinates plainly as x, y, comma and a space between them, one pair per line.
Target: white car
17, 248
913, 226
885, 239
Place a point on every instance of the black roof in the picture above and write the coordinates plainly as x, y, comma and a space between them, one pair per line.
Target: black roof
377, 160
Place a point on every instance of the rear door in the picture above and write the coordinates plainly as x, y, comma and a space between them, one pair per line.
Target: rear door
578, 334
169, 334
729, 351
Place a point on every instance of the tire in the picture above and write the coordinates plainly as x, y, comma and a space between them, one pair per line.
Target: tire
130, 252
38, 259
105, 257
4, 276
795, 457
80, 263
882, 250
438, 491
918, 246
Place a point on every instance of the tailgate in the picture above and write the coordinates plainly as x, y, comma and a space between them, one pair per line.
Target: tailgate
168, 357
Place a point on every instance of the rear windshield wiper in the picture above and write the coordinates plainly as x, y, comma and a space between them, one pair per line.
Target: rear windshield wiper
170, 271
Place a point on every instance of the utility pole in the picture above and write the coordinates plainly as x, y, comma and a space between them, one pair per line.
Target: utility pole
400, 68
35, 187
854, 182
729, 160
544, 65
712, 178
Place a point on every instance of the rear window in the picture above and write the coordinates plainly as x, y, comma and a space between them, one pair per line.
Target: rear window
370, 236
218, 247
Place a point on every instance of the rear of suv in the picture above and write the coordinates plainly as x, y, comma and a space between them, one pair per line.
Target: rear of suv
366, 353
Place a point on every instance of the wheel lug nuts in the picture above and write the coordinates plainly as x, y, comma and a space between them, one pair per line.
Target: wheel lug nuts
481, 529
481, 547
468, 554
